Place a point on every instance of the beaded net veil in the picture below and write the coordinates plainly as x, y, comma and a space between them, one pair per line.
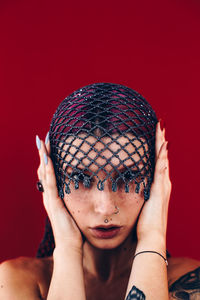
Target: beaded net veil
101, 134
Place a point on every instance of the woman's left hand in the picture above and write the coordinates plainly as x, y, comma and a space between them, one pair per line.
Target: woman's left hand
153, 217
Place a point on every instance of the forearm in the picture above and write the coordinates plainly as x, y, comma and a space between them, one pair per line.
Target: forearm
67, 280
149, 270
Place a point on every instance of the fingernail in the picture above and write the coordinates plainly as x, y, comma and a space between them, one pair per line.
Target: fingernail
38, 142
162, 124
45, 159
47, 138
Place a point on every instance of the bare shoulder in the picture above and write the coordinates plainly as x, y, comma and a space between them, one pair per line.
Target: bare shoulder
184, 278
25, 278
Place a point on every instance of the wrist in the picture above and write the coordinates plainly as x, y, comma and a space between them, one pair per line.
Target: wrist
67, 251
154, 242
153, 235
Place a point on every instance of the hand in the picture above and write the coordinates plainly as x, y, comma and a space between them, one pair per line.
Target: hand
153, 217
65, 230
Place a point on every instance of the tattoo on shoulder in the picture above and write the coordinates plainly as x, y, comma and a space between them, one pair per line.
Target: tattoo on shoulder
135, 294
187, 287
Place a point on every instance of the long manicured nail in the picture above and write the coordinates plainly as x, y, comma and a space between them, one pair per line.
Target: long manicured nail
47, 138
163, 131
38, 142
45, 159
162, 124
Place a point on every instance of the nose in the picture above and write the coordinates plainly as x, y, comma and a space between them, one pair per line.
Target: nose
104, 203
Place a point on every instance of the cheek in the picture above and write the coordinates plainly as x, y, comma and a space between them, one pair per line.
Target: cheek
77, 206
132, 206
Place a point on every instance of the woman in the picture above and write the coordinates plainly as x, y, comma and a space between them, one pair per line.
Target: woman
104, 175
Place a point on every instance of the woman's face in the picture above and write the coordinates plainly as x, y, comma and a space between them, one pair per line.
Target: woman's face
90, 207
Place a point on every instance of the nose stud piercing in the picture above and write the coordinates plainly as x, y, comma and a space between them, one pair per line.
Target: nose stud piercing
116, 212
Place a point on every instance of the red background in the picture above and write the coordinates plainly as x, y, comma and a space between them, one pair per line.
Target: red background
50, 48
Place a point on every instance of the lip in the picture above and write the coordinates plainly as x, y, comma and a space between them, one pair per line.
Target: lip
105, 232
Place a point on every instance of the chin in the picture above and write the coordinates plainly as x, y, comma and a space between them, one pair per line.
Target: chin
106, 244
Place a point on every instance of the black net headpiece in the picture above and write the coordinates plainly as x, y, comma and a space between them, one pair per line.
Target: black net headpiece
103, 133
86, 137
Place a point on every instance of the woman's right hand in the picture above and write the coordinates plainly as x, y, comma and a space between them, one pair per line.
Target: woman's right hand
65, 230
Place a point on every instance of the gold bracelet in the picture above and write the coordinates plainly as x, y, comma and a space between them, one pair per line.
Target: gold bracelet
152, 252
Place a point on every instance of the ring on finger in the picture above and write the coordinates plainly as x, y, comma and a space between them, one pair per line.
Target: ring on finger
39, 186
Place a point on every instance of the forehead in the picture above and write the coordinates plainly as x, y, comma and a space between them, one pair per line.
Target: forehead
89, 152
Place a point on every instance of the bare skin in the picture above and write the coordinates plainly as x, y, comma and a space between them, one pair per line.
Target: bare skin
107, 264
34, 276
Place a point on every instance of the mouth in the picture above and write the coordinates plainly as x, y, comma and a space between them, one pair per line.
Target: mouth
105, 232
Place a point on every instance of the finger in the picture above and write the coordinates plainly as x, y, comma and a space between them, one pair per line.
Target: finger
160, 138
43, 153
41, 169
50, 185
162, 163
47, 143
42, 173
55, 207
50, 176
43, 147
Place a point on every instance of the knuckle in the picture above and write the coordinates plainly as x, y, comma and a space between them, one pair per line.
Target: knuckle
50, 182
162, 165
50, 185
48, 171
162, 168
168, 186
39, 172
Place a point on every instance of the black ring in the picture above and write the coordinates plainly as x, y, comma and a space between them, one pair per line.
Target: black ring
39, 186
